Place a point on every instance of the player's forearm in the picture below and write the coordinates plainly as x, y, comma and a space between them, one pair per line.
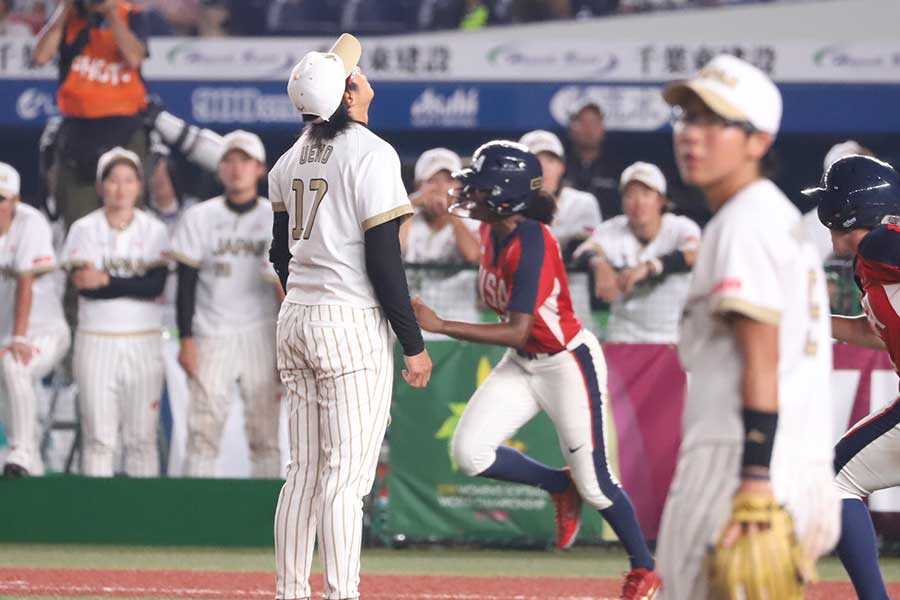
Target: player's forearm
466, 242
856, 331
497, 334
280, 250
758, 345
24, 298
147, 286
185, 299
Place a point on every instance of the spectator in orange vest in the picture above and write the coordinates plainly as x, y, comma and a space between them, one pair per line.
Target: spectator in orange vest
101, 45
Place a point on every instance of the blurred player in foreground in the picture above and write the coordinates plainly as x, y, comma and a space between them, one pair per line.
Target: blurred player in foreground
859, 201
338, 201
33, 332
118, 257
756, 341
227, 303
552, 363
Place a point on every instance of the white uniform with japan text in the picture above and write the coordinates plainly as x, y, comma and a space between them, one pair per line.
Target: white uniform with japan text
117, 361
755, 261
27, 248
577, 216
650, 313
234, 330
334, 351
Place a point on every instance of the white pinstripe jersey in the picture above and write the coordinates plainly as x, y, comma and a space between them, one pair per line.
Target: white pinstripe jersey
28, 248
756, 261
235, 290
130, 252
333, 193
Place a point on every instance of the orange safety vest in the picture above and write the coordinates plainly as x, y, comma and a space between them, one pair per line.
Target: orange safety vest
99, 82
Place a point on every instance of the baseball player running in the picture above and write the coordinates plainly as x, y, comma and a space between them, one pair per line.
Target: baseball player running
756, 342
118, 259
226, 316
857, 195
33, 332
552, 363
338, 201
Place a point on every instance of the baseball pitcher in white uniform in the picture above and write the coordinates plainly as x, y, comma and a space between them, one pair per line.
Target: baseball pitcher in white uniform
577, 212
227, 303
642, 261
338, 201
118, 257
33, 332
756, 341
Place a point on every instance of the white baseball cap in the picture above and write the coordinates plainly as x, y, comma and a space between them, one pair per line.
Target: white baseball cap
647, 173
317, 82
117, 154
541, 140
839, 151
246, 142
434, 161
733, 89
9, 181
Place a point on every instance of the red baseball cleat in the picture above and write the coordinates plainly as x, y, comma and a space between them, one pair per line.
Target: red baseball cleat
640, 584
568, 513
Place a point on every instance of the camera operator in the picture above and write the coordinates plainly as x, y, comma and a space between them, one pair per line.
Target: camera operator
101, 45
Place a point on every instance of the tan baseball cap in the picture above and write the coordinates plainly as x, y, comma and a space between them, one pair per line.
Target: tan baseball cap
839, 151
647, 173
117, 154
246, 142
10, 181
434, 161
733, 89
541, 140
317, 82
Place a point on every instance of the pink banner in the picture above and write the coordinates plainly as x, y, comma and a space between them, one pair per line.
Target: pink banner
647, 384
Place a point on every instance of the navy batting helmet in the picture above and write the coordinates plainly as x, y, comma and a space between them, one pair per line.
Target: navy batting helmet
857, 192
507, 172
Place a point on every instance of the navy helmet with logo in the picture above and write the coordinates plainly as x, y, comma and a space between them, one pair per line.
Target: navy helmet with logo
507, 173
857, 192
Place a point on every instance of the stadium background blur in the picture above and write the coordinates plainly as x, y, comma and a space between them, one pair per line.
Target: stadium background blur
455, 73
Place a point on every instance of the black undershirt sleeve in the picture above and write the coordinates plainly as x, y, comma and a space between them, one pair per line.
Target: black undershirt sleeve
385, 268
185, 299
280, 251
149, 285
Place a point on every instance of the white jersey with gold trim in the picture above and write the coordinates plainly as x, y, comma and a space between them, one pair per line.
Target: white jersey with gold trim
133, 251
28, 248
755, 260
231, 252
334, 192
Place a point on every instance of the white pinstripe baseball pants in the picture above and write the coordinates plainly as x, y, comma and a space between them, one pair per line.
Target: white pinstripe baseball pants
337, 365
18, 400
120, 380
247, 357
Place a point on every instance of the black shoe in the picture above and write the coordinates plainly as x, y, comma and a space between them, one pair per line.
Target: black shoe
14, 471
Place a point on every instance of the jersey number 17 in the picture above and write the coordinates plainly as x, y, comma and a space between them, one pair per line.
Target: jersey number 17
320, 187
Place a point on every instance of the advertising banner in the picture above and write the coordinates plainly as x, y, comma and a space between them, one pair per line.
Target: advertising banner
431, 500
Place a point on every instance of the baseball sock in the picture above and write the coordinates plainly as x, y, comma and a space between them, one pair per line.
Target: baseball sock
512, 465
858, 550
623, 520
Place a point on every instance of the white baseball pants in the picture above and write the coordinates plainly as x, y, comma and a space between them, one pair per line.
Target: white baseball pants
247, 357
19, 402
120, 380
337, 365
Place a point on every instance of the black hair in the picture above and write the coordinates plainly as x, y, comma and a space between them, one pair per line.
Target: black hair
323, 131
121, 161
541, 208
769, 164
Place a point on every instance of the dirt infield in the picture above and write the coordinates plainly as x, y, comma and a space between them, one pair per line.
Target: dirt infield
122, 583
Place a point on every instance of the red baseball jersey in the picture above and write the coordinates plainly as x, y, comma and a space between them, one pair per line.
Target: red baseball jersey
878, 275
524, 273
